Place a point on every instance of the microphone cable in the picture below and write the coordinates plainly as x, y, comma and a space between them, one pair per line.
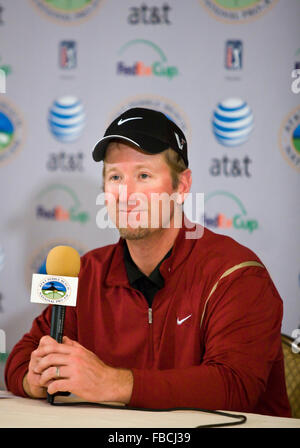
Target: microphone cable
238, 419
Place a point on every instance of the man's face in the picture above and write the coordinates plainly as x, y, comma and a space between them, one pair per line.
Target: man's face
133, 182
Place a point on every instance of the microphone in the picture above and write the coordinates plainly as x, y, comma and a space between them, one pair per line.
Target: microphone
59, 288
61, 261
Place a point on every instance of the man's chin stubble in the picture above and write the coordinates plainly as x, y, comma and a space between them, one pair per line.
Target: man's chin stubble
134, 234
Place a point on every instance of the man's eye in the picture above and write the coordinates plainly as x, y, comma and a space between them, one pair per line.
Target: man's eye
114, 177
144, 175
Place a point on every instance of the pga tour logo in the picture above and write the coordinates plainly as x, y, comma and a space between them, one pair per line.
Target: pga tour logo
56, 290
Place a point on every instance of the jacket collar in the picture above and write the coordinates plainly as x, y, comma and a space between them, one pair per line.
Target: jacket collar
117, 274
134, 274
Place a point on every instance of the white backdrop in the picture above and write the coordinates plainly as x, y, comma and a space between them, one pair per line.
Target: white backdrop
96, 58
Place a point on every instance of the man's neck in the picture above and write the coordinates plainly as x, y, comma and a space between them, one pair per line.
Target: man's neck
148, 252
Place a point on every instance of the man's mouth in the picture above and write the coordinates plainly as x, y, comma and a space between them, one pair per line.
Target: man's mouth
132, 211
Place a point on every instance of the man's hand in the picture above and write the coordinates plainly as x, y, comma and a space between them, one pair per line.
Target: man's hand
31, 380
81, 372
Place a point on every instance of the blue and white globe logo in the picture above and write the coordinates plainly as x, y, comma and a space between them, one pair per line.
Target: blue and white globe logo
66, 118
232, 122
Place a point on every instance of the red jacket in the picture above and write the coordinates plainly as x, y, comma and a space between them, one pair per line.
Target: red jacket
212, 339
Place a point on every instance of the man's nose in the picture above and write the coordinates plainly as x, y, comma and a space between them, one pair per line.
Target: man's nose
129, 196
126, 189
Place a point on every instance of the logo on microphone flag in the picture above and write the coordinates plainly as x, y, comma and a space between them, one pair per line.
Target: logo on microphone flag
55, 290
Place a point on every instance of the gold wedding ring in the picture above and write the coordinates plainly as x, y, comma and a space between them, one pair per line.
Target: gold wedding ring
57, 372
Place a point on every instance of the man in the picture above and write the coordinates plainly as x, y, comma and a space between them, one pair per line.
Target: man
166, 317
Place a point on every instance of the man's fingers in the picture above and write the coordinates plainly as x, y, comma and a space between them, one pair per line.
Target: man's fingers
46, 340
50, 346
59, 386
48, 376
53, 373
53, 359
70, 342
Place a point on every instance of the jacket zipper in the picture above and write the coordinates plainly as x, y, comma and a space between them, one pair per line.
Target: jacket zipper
151, 335
150, 327
150, 315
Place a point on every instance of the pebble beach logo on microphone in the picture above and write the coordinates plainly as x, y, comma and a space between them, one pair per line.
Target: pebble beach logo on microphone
56, 290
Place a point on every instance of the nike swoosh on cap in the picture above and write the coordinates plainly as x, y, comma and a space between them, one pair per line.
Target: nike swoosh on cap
180, 321
121, 121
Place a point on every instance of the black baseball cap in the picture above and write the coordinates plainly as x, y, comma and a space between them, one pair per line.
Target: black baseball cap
150, 130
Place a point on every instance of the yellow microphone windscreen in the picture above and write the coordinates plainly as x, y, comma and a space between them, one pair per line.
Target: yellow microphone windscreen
64, 261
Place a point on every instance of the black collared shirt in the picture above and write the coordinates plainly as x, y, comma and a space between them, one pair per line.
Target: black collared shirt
138, 280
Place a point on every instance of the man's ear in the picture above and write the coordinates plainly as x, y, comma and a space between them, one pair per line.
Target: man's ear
184, 185
103, 177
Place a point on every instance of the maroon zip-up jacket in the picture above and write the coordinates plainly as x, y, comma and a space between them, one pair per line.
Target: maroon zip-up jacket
211, 339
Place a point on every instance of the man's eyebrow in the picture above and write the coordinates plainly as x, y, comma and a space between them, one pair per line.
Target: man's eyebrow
142, 165
116, 168
113, 168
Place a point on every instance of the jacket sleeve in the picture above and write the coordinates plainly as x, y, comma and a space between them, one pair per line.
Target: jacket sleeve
18, 360
241, 337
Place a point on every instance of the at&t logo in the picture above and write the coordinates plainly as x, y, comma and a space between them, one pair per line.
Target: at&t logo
232, 122
66, 119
